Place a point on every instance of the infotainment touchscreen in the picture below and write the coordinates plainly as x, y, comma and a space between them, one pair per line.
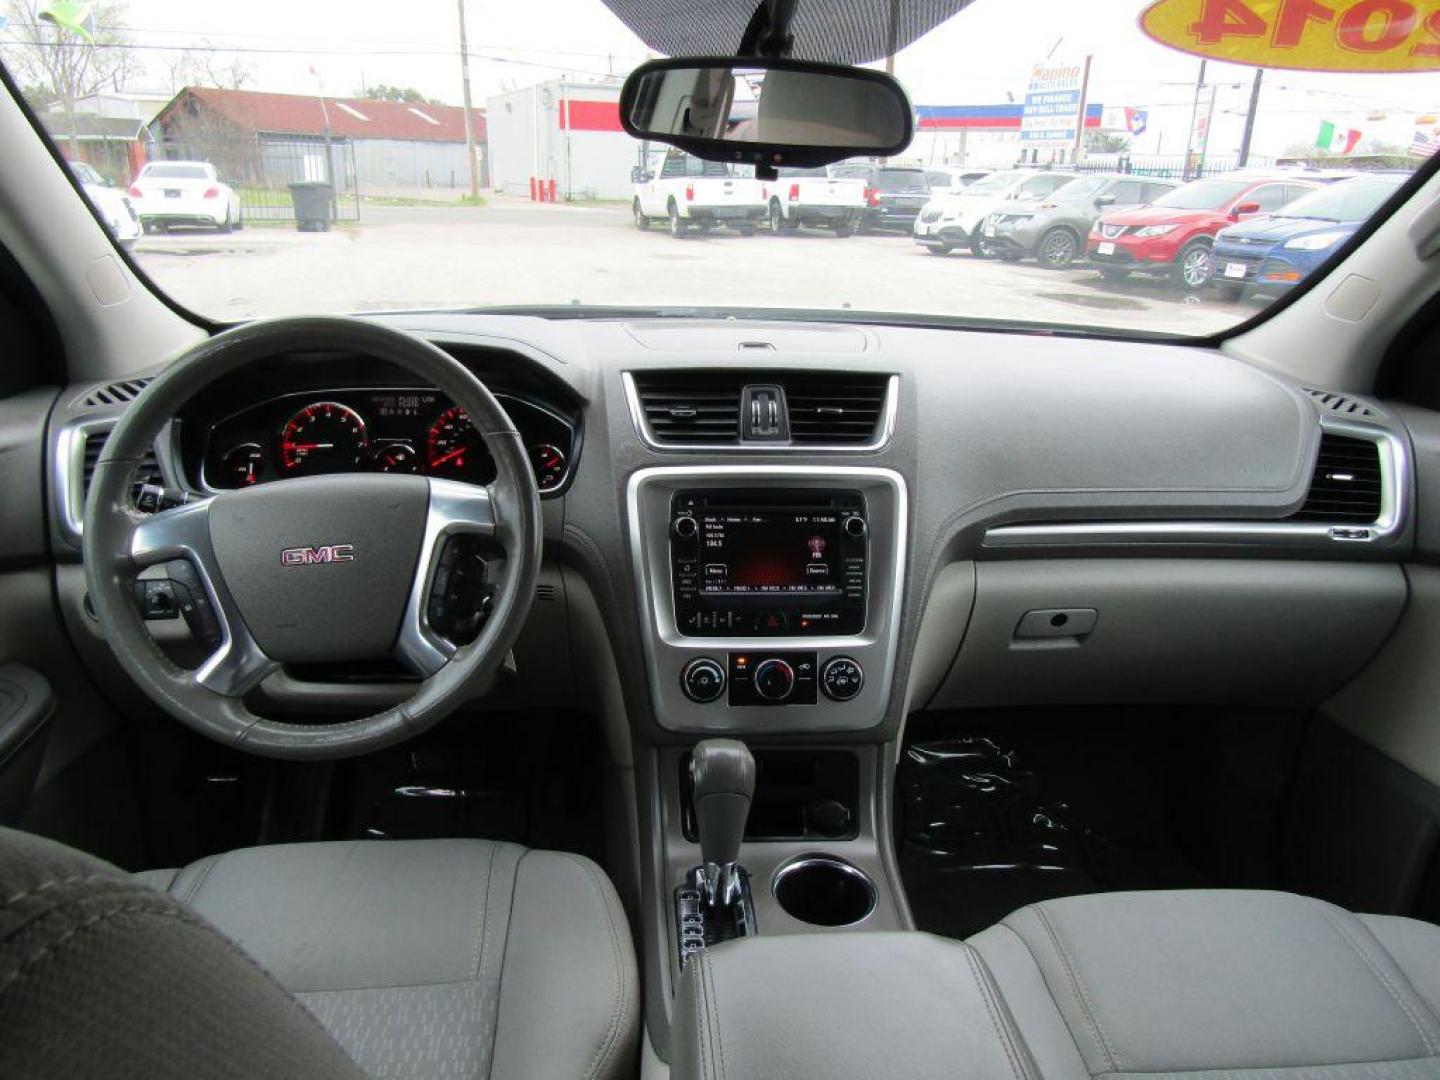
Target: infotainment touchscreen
769, 551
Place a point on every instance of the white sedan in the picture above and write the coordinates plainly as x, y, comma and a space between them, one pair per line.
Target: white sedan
184, 193
114, 208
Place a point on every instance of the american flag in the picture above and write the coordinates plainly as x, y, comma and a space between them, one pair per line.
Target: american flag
1425, 143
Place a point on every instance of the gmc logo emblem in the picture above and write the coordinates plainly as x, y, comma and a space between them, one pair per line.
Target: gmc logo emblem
309, 556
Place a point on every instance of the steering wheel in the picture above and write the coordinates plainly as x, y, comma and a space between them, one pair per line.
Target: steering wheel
320, 569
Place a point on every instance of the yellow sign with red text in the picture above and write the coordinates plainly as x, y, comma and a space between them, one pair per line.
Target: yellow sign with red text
1303, 35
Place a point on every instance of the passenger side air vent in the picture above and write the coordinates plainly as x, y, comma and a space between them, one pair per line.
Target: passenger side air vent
691, 407
835, 409
1339, 403
1346, 483
147, 472
116, 393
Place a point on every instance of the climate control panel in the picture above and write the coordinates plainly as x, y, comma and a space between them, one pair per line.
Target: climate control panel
771, 678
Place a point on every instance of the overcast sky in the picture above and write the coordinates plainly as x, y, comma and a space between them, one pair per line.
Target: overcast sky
979, 57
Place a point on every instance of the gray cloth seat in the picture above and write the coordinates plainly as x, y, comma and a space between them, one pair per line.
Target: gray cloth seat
1224, 984
436, 958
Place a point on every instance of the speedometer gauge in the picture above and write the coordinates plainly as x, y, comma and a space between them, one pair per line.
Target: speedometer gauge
454, 448
320, 438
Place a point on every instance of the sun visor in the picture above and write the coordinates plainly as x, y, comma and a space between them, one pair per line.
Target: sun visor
838, 31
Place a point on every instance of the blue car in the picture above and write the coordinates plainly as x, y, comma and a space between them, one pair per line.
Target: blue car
1275, 253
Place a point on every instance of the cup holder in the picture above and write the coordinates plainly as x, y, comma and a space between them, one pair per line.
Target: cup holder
824, 891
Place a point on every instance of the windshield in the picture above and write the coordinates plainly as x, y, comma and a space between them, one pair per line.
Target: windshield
1203, 195
994, 184
896, 180
1086, 187
312, 158
174, 172
1349, 200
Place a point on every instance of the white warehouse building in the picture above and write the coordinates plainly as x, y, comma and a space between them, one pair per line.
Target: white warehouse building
564, 131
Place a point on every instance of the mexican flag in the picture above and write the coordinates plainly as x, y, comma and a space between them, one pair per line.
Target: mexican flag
1336, 140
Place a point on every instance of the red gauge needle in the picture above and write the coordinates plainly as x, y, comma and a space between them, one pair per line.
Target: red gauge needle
312, 446
452, 455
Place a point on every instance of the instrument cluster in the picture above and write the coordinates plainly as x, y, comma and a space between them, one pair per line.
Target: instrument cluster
407, 430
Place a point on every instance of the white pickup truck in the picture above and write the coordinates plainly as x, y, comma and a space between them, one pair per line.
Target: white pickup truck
693, 194
813, 198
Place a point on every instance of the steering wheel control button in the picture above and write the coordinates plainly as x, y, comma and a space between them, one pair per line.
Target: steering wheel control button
772, 678
703, 680
841, 678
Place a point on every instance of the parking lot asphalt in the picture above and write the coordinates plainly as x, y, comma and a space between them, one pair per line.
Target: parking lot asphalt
517, 253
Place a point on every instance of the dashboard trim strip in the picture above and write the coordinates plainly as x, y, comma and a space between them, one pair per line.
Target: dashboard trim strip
885, 429
1395, 504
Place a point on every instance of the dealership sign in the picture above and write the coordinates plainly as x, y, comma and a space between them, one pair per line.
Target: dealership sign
1304, 35
1054, 99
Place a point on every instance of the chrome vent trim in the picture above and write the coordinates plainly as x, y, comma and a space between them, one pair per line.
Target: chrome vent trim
77, 451
1323, 532
884, 427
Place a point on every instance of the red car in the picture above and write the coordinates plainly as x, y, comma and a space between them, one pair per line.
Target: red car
1175, 235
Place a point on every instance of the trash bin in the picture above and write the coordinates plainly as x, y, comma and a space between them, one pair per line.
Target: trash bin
312, 205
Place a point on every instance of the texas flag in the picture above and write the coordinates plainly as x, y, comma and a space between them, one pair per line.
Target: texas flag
1136, 119
1336, 140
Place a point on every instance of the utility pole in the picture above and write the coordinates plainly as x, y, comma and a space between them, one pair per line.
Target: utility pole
1194, 115
469, 112
1250, 117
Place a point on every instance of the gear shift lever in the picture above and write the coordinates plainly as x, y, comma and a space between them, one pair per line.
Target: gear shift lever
722, 775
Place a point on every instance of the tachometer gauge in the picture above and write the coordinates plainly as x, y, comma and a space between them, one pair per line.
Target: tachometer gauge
396, 457
454, 448
549, 464
323, 437
241, 465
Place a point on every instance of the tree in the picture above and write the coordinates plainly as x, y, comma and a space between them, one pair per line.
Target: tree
405, 95
58, 66
202, 66
1105, 142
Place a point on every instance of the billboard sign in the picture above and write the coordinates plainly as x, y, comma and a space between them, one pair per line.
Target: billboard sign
1054, 99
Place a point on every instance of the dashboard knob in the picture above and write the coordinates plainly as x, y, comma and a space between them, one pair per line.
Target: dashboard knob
685, 528
774, 680
855, 526
703, 680
841, 678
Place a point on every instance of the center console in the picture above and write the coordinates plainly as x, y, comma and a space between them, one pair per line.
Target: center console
769, 594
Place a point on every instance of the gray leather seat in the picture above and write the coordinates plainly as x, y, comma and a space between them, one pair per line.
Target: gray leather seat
1226, 983
1202, 985
436, 958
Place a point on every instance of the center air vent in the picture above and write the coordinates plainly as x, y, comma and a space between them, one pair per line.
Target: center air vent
1346, 484
700, 408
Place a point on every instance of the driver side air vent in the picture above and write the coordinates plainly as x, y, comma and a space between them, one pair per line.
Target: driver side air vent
1339, 403
1346, 484
147, 472
116, 393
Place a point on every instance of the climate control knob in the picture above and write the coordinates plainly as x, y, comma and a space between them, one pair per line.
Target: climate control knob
774, 680
841, 678
703, 680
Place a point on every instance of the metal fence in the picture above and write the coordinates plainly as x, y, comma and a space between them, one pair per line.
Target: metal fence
1167, 166
261, 170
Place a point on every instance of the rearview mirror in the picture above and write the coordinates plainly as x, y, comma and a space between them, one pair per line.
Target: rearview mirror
1246, 208
766, 111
